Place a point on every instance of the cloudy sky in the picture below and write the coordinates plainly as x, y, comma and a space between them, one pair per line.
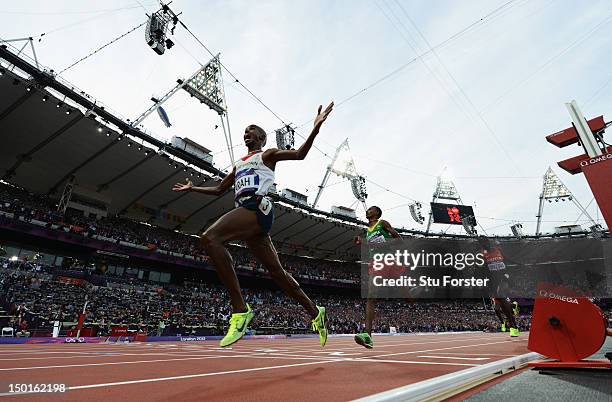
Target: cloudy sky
476, 108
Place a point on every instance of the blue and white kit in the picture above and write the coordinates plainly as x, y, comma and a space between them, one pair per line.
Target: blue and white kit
252, 183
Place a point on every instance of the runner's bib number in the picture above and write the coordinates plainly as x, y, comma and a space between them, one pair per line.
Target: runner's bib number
496, 266
265, 206
247, 182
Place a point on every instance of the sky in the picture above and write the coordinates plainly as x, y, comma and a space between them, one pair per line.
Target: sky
476, 108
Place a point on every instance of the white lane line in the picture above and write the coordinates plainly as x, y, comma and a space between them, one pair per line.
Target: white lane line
411, 362
393, 345
183, 377
83, 352
106, 363
438, 349
103, 355
185, 353
474, 354
253, 356
270, 350
454, 357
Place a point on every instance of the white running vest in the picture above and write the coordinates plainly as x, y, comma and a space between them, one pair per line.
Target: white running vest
252, 176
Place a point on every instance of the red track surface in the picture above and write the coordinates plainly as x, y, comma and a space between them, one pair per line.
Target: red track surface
262, 370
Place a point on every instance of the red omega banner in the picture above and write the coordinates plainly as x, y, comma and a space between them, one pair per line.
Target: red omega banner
598, 172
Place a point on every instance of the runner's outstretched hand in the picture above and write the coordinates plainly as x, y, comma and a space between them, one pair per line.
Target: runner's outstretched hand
188, 185
322, 116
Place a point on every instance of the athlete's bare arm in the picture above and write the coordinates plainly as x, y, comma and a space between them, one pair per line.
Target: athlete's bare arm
387, 226
273, 155
217, 190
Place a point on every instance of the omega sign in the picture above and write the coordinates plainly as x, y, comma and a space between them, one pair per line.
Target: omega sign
563, 298
595, 160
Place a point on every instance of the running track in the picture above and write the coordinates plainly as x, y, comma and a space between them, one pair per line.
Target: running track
262, 370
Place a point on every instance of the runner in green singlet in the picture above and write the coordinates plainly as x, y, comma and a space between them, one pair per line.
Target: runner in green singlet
378, 232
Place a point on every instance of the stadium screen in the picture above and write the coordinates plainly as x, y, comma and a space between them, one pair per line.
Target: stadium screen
450, 213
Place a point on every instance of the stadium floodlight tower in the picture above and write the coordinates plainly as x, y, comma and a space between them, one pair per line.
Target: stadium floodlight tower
554, 189
206, 85
445, 190
343, 165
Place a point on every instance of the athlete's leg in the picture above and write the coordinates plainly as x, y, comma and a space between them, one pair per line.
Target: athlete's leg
262, 248
365, 338
369, 315
498, 311
506, 308
238, 224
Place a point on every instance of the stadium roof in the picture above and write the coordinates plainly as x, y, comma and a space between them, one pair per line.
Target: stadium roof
53, 132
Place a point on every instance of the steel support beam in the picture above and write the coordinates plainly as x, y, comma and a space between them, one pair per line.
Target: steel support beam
15, 105
191, 215
302, 217
80, 166
181, 195
302, 231
28, 155
127, 171
147, 191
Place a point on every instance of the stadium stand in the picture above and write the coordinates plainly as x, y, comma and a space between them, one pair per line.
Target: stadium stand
203, 308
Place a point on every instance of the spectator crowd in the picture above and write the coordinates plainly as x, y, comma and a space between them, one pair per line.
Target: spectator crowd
29, 207
195, 306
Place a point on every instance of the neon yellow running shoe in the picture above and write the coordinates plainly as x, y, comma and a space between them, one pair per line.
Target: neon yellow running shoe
318, 324
515, 309
503, 327
514, 332
238, 327
364, 339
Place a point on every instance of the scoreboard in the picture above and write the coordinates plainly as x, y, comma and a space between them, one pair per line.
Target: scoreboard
451, 214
